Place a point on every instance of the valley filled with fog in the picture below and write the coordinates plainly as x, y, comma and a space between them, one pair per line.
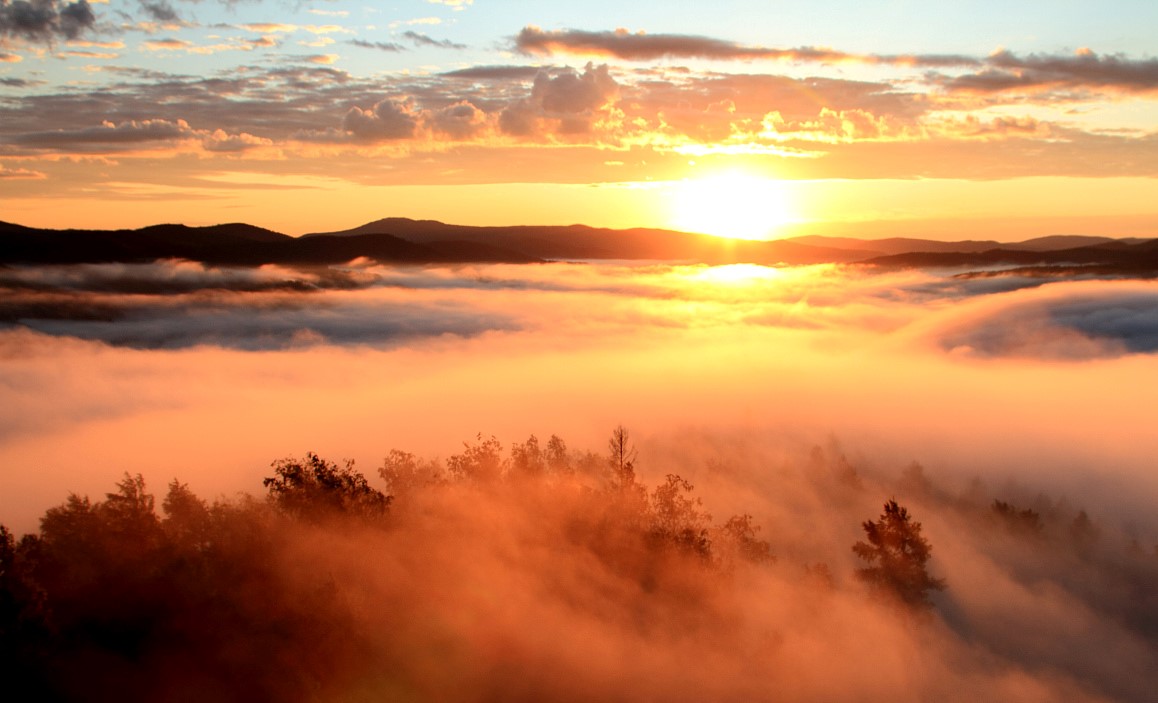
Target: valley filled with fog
804, 397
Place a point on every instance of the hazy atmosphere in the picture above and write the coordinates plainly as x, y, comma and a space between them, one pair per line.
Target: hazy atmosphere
976, 119
480, 350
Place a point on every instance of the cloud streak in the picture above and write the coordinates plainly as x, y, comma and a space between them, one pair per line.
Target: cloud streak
1001, 71
640, 46
1084, 70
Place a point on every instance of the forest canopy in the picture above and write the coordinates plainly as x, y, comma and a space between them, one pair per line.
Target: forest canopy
538, 572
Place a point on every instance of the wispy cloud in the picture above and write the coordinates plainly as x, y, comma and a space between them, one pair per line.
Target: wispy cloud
639, 46
420, 39
19, 174
323, 59
379, 45
1084, 70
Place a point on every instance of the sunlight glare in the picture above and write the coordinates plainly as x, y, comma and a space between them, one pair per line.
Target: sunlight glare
737, 274
732, 204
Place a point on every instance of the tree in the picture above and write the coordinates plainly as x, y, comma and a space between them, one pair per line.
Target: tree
679, 519
405, 473
187, 518
621, 458
556, 455
740, 533
527, 459
1022, 522
313, 487
480, 463
897, 554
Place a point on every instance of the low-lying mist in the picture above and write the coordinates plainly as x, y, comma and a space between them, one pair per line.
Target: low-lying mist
799, 396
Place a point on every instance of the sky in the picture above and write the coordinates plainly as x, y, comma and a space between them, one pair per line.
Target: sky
757, 119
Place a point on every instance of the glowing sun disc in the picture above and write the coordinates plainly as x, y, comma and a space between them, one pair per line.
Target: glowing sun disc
733, 205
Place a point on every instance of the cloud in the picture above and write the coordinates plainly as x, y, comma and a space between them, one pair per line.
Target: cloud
170, 44
1004, 71
90, 54
128, 136
568, 99
222, 142
10, 58
322, 59
179, 304
43, 21
270, 27
131, 132
420, 39
495, 73
160, 11
460, 121
381, 46
263, 42
327, 29
640, 46
386, 120
1060, 321
20, 174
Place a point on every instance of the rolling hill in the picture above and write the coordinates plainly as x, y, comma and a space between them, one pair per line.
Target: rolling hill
405, 241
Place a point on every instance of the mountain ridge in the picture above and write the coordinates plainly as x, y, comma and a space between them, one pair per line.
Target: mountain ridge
406, 241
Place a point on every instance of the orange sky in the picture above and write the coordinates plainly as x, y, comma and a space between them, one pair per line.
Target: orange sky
325, 116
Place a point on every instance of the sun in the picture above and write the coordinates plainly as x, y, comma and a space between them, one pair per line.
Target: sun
732, 204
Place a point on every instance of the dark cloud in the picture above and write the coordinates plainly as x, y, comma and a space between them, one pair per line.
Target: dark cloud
379, 45
460, 121
386, 120
274, 323
111, 137
1000, 72
176, 304
45, 20
1070, 321
1005, 71
568, 98
622, 44
495, 73
571, 92
420, 39
160, 11
107, 134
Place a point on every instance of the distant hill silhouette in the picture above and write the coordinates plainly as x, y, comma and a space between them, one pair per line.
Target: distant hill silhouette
1122, 256
582, 242
236, 244
406, 241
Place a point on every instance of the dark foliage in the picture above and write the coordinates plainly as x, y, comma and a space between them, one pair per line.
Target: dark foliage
897, 555
1026, 522
112, 600
314, 488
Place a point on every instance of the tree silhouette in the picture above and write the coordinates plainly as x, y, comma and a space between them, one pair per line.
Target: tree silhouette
480, 463
1025, 522
679, 519
740, 533
313, 487
621, 458
897, 553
